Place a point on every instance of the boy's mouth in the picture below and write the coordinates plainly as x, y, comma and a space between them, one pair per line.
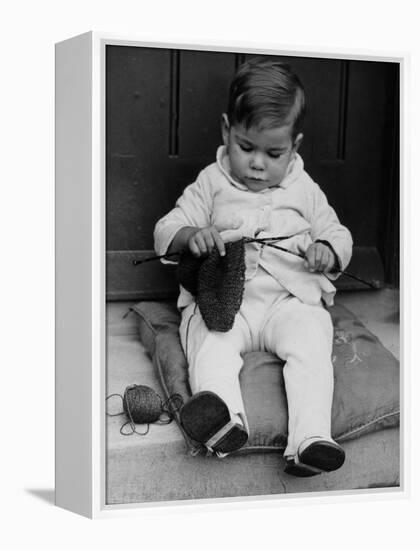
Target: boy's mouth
258, 180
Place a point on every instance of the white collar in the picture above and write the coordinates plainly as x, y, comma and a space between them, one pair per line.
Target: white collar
294, 169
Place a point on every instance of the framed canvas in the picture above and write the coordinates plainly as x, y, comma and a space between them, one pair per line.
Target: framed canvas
136, 123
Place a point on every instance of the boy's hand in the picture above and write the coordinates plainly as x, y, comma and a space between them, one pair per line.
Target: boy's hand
202, 242
319, 257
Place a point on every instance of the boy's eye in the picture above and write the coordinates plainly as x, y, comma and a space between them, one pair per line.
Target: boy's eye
274, 155
246, 148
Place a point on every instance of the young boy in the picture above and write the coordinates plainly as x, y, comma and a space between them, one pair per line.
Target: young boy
258, 187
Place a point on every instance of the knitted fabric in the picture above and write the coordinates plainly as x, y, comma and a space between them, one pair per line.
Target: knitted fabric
188, 270
217, 282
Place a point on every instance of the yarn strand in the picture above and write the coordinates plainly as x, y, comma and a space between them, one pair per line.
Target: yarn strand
114, 395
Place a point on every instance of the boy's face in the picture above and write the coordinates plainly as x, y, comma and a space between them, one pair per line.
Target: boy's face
259, 157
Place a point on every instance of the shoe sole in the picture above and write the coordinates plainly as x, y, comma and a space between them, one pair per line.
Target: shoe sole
206, 414
300, 470
318, 457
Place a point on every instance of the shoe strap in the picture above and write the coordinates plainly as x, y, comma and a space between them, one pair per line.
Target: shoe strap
214, 439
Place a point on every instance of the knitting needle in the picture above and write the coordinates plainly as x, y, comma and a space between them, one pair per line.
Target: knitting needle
151, 258
264, 243
264, 240
268, 239
144, 260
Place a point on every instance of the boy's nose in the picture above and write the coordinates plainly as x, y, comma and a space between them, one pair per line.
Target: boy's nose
257, 161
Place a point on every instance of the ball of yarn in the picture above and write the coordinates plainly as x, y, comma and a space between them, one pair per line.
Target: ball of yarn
142, 404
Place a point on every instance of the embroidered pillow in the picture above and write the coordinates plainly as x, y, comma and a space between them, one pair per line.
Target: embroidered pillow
366, 394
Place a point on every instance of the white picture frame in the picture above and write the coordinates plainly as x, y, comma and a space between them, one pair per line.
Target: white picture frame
81, 265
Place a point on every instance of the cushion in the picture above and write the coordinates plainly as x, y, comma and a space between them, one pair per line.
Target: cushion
366, 392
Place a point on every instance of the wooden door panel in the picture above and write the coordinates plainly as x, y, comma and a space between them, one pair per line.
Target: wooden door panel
137, 99
137, 128
204, 85
365, 178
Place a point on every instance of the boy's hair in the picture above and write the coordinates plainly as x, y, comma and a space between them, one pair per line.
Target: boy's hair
266, 93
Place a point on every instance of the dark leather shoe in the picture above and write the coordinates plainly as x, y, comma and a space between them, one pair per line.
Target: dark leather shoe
206, 419
318, 457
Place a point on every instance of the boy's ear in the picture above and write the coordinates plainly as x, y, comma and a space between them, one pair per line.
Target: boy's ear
298, 141
225, 129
